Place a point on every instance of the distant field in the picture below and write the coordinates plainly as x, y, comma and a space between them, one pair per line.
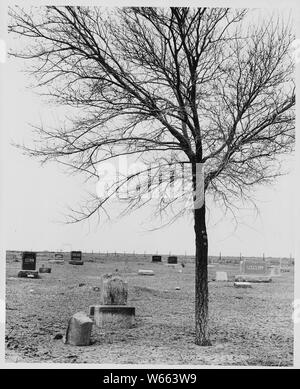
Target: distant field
45, 255
248, 326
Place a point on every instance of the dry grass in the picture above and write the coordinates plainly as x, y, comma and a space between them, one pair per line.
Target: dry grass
248, 326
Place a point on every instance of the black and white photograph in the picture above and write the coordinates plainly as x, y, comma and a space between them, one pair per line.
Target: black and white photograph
149, 184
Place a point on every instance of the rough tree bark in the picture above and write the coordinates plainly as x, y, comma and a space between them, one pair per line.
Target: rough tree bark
201, 280
201, 256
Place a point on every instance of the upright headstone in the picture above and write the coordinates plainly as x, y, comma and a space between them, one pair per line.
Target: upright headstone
28, 265
113, 312
28, 260
156, 258
58, 258
79, 330
114, 290
284, 265
76, 258
45, 269
254, 267
172, 260
253, 270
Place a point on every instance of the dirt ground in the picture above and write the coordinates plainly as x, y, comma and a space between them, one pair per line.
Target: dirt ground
247, 326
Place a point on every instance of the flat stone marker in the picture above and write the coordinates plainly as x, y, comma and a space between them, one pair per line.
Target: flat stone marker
108, 316
76, 262
145, 272
79, 330
114, 290
252, 278
45, 269
242, 285
173, 265
28, 274
221, 276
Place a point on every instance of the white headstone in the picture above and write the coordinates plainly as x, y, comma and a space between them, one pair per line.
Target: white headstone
221, 276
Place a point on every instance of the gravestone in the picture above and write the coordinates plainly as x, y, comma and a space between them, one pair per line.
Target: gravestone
253, 267
114, 290
172, 260
221, 276
253, 270
284, 265
76, 258
28, 260
275, 271
243, 285
156, 258
142, 272
44, 269
113, 311
28, 265
79, 330
58, 258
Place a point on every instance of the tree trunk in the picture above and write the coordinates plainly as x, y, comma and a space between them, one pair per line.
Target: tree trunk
201, 279
201, 259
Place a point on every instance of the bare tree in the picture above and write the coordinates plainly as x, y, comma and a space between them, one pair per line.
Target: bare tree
201, 89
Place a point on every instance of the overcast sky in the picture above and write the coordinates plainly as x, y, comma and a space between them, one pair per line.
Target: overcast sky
35, 199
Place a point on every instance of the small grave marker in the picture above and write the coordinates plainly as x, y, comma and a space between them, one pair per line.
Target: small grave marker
242, 285
79, 330
172, 259
221, 276
44, 269
142, 272
28, 265
156, 258
58, 258
76, 258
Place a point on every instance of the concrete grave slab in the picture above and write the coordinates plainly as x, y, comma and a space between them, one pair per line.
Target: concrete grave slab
28, 274
143, 272
242, 285
108, 316
252, 278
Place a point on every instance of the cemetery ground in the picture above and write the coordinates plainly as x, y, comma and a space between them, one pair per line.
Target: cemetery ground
247, 326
